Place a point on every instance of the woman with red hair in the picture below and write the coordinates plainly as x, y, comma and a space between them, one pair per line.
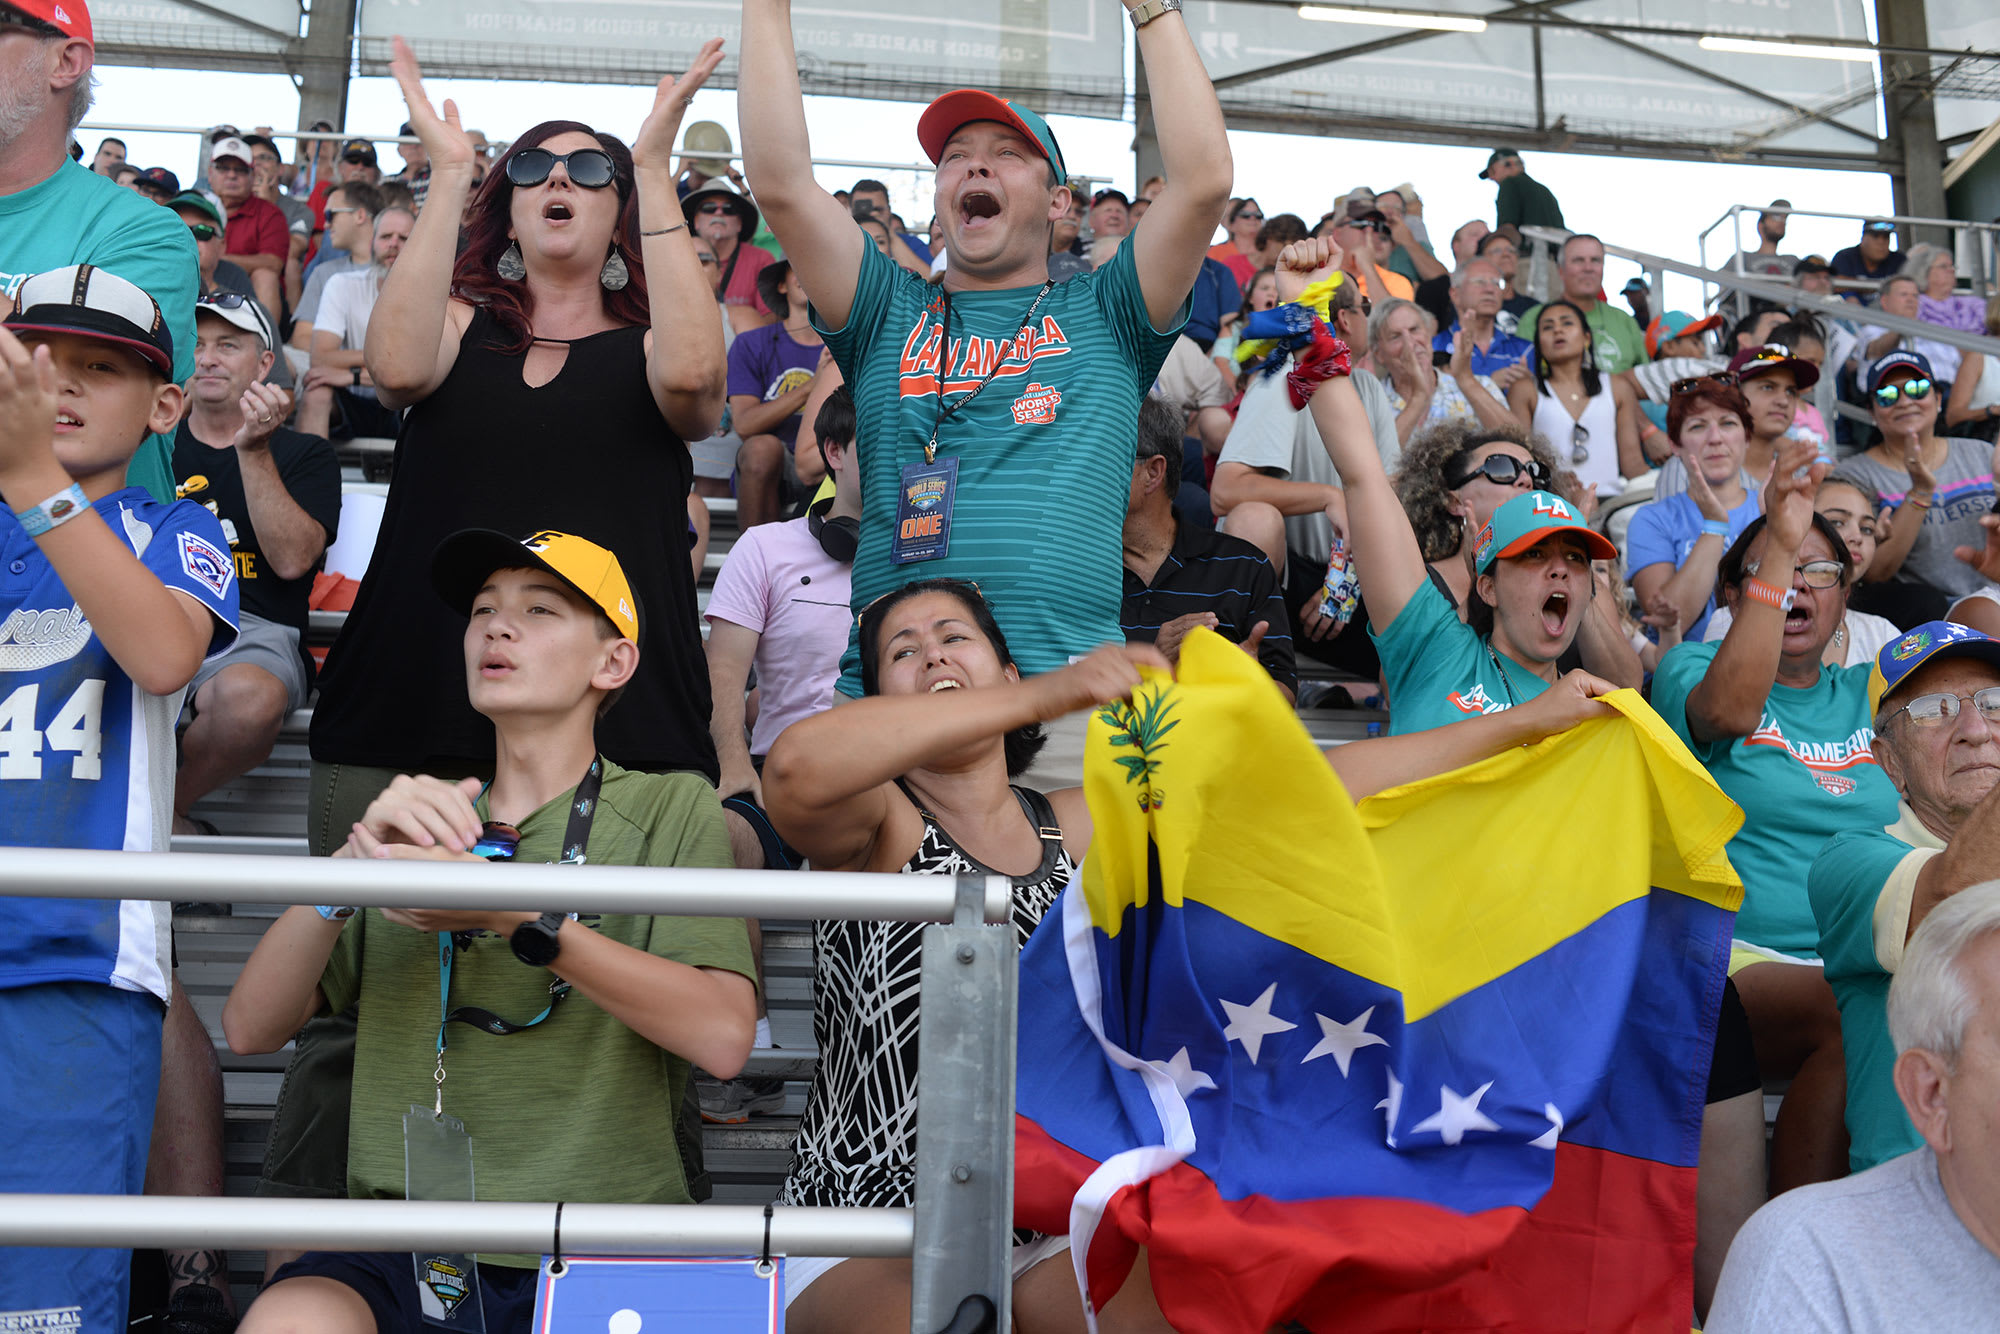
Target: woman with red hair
1675, 544
552, 368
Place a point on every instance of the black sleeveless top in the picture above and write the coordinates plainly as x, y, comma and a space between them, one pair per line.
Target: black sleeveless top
587, 453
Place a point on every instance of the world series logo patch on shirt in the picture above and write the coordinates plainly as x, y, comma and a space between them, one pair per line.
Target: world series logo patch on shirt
210, 568
1037, 406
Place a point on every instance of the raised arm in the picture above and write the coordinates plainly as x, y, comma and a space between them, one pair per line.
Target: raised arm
685, 362
412, 335
1380, 763
819, 236
1386, 555
1729, 701
1194, 148
1493, 414
828, 778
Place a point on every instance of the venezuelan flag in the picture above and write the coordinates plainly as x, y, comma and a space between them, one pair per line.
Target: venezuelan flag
1435, 1063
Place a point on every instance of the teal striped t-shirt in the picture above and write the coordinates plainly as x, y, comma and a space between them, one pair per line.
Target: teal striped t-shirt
1044, 452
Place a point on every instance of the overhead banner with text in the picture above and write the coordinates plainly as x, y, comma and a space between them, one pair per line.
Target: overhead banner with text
1614, 84
1067, 54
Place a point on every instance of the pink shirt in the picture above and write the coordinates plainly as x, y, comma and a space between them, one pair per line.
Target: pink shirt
742, 269
779, 583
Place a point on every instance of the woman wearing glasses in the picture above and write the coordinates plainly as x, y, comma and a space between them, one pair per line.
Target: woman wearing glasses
553, 370
1934, 491
1788, 738
1239, 253
1674, 545
1400, 335
1575, 406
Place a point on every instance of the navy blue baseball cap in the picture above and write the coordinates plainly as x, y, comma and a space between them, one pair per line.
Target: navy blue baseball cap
1927, 642
1901, 357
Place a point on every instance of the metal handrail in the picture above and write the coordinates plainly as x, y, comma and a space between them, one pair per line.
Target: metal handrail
1986, 237
211, 1222
674, 891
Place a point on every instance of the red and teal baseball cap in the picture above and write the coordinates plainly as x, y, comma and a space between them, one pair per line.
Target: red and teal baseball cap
1526, 520
962, 106
1933, 640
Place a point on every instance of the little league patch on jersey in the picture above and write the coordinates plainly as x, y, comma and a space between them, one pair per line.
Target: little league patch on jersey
1037, 406
204, 563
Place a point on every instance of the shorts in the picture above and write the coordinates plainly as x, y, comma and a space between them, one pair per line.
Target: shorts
1732, 1070
778, 854
79, 1073
715, 457
387, 1281
356, 415
1742, 954
801, 1271
265, 644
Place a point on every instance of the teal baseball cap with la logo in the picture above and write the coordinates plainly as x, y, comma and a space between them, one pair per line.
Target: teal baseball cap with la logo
1526, 520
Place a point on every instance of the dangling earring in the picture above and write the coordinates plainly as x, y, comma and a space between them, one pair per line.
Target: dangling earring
614, 275
511, 266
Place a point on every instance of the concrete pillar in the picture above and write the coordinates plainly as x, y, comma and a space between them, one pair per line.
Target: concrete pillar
1918, 183
328, 51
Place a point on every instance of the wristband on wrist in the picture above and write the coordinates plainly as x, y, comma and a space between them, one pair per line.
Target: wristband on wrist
662, 231
1715, 528
1769, 594
333, 914
54, 512
1916, 504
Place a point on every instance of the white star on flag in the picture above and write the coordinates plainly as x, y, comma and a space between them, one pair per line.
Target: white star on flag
1457, 1114
1251, 1024
1341, 1041
1181, 1070
1392, 1105
1547, 1139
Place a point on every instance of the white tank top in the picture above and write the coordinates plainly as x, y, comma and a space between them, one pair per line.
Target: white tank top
1599, 470
1987, 391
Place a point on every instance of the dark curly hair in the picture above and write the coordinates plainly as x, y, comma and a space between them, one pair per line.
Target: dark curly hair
1023, 743
1420, 477
474, 277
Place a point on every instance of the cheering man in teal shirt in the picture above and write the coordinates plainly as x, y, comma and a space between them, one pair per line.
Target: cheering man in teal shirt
996, 411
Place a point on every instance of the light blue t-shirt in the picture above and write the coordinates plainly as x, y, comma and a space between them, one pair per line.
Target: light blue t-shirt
1804, 775
79, 217
1438, 671
1665, 531
1044, 450
1845, 881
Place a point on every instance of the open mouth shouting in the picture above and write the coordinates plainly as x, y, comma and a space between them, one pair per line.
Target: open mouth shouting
557, 210
977, 207
1555, 614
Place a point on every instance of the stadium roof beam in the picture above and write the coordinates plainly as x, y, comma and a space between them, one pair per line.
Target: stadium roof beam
1369, 48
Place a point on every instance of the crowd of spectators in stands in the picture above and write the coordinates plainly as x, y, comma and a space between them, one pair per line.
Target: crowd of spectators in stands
1012, 452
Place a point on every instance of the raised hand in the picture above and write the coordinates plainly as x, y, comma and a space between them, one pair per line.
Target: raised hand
264, 408
653, 148
27, 406
1702, 494
1795, 477
1303, 263
1984, 559
444, 138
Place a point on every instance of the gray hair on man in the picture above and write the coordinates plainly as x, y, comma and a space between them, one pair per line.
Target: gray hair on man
1465, 271
1930, 1002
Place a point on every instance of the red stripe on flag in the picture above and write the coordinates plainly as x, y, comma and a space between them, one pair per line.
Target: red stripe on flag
1610, 1247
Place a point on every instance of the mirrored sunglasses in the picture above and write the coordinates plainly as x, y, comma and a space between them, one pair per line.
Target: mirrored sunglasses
1915, 389
1931, 710
203, 231
590, 168
1721, 379
498, 842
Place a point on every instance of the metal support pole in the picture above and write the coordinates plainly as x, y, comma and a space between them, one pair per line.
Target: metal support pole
213, 1222
668, 891
1918, 184
965, 1123
326, 55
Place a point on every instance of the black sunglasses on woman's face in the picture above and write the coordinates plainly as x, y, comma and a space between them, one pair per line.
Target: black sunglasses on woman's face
590, 168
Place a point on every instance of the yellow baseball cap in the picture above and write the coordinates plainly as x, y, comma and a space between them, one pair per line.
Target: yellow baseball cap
465, 560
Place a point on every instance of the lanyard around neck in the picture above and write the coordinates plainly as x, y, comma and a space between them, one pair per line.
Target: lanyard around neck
946, 413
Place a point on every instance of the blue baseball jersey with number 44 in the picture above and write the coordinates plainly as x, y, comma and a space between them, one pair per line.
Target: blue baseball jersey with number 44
86, 756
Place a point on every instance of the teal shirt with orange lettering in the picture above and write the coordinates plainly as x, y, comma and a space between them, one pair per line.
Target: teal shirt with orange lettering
1044, 451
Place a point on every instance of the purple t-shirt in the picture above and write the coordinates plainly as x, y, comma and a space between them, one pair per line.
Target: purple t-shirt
778, 582
767, 362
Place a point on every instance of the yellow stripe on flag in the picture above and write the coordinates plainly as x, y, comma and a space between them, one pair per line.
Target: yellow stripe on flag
1446, 884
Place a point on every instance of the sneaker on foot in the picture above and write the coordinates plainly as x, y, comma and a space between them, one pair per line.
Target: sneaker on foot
732, 1102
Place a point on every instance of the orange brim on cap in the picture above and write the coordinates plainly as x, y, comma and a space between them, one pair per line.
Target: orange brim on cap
1597, 544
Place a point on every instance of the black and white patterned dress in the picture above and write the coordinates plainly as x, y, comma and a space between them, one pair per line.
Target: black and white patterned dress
857, 1143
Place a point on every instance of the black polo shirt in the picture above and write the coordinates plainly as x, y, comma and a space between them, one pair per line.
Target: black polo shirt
1226, 576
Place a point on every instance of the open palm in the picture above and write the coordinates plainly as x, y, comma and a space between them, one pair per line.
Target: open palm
654, 146
444, 138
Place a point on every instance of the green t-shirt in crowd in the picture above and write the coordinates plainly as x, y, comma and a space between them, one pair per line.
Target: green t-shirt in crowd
1845, 881
1616, 337
1044, 450
1439, 671
1526, 202
78, 217
1804, 775
578, 1107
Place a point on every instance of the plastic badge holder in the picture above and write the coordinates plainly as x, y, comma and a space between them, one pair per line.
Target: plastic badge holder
437, 1165
625, 1294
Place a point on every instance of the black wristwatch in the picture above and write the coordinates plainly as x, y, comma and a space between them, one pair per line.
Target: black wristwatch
535, 943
